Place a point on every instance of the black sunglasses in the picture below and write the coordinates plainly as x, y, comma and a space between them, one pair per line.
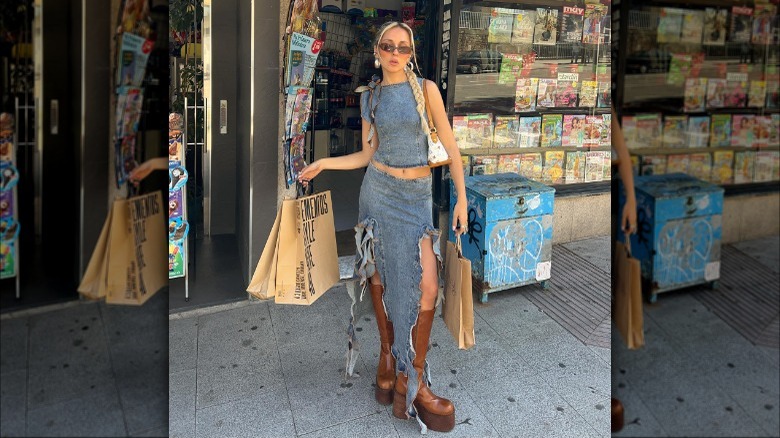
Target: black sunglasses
389, 48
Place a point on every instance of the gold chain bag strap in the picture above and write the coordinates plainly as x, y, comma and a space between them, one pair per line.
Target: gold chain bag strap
437, 155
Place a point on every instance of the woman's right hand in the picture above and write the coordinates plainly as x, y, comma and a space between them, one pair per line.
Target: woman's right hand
309, 172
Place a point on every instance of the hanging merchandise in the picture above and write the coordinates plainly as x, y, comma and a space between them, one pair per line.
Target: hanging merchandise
178, 227
9, 177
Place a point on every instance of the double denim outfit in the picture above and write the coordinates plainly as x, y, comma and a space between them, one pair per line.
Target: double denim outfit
394, 216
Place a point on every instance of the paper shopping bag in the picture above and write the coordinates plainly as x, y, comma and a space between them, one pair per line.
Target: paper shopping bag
458, 306
137, 256
93, 283
263, 283
307, 264
627, 307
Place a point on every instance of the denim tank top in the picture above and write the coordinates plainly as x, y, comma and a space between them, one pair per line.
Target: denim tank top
402, 142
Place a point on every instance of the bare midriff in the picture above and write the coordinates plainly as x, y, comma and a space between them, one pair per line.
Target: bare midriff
403, 172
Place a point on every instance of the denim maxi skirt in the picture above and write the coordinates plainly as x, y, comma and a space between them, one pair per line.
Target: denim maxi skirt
395, 214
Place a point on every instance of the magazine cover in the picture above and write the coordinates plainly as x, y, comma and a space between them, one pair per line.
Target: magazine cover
460, 130
289, 104
511, 65
573, 130
772, 94
605, 94
545, 29
500, 28
594, 166
742, 130
129, 104
552, 129
531, 166
653, 164
762, 23
629, 132
674, 131
606, 159
588, 93
175, 149
757, 94
764, 167
744, 165
720, 136
175, 206
635, 165
301, 111
480, 130
546, 92
133, 56
649, 130
594, 129
670, 25
465, 161
677, 163
695, 93
568, 86
6, 203
571, 24
716, 93
523, 31
679, 68
699, 131
484, 164
525, 94
575, 167
736, 94
761, 127
302, 59
722, 167
509, 163
774, 130
741, 23
530, 132
591, 28
606, 130
700, 166
506, 132
553, 167
692, 26
714, 33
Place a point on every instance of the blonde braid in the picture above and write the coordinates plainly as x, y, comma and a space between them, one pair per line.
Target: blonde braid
419, 97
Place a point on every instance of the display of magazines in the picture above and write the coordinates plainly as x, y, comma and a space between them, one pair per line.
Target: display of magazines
525, 94
529, 132
531, 165
505, 133
509, 163
571, 24
764, 168
594, 166
511, 66
9, 218
546, 91
573, 130
741, 24
670, 25
757, 94
591, 28
575, 167
700, 165
715, 21
762, 23
677, 163
653, 164
178, 226
484, 164
552, 172
695, 95
523, 30
588, 93
674, 131
500, 28
720, 134
546, 27
698, 131
722, 167
552, 130
744, 166
692, 26
567, 90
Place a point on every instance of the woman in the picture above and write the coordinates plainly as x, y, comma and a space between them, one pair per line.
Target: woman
400, 248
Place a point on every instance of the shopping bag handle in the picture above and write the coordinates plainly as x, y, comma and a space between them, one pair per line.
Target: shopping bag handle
627, 238
458, 246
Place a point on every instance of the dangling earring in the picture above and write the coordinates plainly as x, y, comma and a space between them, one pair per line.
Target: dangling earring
376, 63
409, 66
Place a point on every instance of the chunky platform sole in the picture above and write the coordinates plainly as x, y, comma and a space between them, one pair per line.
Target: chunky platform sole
383, 396
438, 423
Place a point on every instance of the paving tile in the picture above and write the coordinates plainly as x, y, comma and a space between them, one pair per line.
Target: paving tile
528, 407
95, 415
582, 384
160, 432
222, 382
692, 405
321, 397
766, 251
264, 414
598, 415
470, 420
137, 330
181, 407
772, 354
242, 336
639, 420
13, 349
182, 344
143, 388
597, 251
378, 425
66, 382
13, 394
509, 311
605, 354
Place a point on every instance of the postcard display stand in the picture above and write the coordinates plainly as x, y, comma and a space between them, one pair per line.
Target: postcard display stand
9, 219
178, 226
133, 54
548, 71
719, 119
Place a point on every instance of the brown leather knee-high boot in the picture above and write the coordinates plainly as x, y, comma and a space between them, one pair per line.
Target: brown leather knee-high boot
385, 372
436, 412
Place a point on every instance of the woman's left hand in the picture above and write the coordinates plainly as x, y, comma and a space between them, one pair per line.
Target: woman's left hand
460, 216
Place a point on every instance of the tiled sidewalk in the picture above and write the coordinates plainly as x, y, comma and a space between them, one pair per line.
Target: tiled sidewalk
265, 370
85, 369
697, 375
